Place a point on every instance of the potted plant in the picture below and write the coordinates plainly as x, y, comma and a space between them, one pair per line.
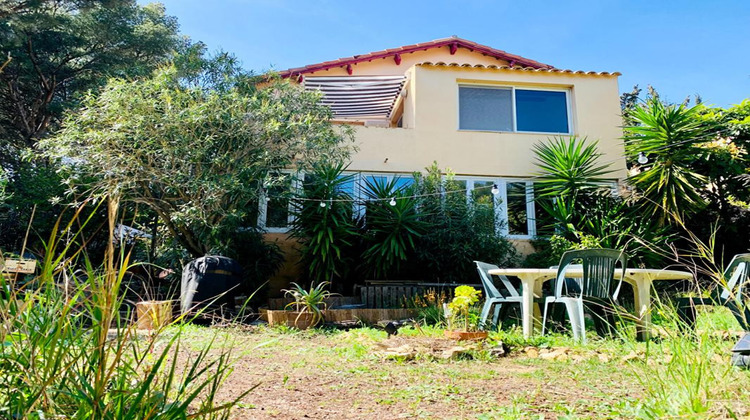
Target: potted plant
308, 305
457, 313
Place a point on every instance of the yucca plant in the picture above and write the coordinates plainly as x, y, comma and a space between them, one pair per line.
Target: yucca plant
392, 224
569, 167
569, 173
668, 136
324, 223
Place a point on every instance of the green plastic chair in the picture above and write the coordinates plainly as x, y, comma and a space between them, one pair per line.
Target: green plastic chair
494, 296
736, 295
596, 290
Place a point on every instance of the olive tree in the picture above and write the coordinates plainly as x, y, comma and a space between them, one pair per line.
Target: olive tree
198, 155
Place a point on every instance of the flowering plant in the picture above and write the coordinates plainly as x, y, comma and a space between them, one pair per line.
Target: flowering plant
464, 297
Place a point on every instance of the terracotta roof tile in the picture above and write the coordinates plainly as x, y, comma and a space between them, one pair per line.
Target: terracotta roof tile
453, 42
519, 68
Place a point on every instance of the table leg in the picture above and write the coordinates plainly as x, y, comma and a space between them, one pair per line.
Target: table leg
527, 307
642, 292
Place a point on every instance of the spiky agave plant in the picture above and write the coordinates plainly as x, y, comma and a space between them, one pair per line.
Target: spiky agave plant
312, 301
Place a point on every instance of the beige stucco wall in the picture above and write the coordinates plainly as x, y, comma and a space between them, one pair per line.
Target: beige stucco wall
431, 131
430, 125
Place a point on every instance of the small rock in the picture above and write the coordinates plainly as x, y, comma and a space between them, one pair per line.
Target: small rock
562, 357
453, 352
532, 352
556, 354
631, 357
405, 352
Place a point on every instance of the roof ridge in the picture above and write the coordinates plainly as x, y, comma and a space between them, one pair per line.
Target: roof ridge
452, 42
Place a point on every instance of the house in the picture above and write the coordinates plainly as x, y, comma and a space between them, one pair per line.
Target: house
472, 108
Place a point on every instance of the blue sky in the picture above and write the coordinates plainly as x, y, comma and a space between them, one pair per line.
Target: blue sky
680, 47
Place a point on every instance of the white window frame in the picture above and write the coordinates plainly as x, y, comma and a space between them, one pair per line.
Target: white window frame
568, 107
501, 203
530, 209
296, 185
500, 200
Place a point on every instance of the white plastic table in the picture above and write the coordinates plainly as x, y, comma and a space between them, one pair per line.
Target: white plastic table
640, 278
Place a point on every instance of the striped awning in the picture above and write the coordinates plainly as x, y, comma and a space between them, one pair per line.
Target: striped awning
358, 97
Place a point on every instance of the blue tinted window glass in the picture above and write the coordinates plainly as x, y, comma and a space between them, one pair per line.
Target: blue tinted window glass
348, 186
403, 182
541, 111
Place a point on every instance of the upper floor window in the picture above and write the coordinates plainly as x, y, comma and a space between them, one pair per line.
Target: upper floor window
513, 109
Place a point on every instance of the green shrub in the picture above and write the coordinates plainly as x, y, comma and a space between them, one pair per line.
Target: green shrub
585, 211
459, 231
429, 307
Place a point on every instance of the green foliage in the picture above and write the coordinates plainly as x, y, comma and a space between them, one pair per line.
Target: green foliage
432, 231
587, 214
57, 51
696, 380
327, 232
432, 315
67, 353
198, 156
463, 297
4, 196
618, 223
569, 167
260, 259
628, 102
391, 231
724, 160
309, 301
569, 173
459, 231
668, 135
63, 48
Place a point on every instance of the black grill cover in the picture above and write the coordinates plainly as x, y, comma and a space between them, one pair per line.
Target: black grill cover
206, 278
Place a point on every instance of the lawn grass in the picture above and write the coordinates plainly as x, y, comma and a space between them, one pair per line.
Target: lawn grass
344, 374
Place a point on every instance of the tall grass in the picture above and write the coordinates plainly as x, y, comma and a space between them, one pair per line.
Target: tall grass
689, 374
687, 371
68, 352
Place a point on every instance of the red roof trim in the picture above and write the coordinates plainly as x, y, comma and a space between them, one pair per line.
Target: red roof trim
452, 42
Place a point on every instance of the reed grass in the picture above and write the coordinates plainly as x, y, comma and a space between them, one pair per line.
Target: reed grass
68, 352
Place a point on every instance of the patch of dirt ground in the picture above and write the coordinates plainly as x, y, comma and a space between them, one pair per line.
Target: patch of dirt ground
349, 375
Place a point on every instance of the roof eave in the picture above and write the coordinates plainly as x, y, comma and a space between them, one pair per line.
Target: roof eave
452, 42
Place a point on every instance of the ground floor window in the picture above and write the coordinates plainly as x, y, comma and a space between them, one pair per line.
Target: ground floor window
513, 201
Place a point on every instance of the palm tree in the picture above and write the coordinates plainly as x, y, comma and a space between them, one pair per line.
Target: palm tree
667, 136
569, 173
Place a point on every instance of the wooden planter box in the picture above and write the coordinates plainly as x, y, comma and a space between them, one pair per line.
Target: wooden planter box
300, 320
370, 316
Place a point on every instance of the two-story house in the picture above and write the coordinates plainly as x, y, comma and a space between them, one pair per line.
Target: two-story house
474, 109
